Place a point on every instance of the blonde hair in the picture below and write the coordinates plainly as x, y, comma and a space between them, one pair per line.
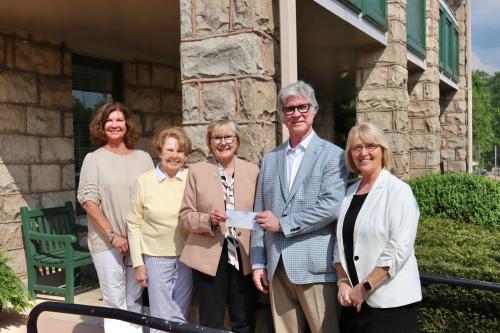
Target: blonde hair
174, 132
222, 124
368, 133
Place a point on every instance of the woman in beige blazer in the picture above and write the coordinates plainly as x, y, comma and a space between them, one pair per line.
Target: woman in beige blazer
219, 255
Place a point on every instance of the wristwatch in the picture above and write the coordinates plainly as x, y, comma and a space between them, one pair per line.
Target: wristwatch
367, 285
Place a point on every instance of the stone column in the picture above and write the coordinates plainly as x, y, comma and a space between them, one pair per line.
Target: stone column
423, 109
454, 105
381, 82
227, 71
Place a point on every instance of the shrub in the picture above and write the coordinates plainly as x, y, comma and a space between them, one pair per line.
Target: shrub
455, 196
12, 291
458, 249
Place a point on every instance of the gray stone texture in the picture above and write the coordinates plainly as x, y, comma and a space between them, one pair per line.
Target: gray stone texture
186, 22
43, 59
212, 16
219, 100
163, 77
43, 121
143, 99
171, 102
12, 118
253, 14
12, 203
190, 110
129, 74
239, 54
56, 92
19, 149
68, 177
11, 236
18, 87
257, 100
14, 178
45, 177
57, 150
143, 74
68, 124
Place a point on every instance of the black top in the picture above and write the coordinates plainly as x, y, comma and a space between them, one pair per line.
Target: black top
348, 234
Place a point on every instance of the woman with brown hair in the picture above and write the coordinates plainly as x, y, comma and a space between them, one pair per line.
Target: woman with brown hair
107, 180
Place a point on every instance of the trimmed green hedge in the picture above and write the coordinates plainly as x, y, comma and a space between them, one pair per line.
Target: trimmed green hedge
459, 249
457, 196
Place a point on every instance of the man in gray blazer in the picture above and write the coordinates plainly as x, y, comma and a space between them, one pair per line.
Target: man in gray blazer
300, 188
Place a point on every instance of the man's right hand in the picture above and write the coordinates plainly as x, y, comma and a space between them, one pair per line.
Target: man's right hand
259, 277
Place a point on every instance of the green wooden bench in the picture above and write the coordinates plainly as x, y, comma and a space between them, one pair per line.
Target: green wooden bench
51, 240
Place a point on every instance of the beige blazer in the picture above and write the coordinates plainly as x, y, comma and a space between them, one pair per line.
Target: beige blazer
203, 192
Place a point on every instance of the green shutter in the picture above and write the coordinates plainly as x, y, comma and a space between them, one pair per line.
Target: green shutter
448, 46
415, 26
376, 11
356, 5
442, 39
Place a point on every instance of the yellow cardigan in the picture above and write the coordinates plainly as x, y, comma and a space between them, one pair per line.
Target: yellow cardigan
153, 218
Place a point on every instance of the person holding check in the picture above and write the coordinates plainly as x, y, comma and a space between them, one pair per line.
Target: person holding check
218, 254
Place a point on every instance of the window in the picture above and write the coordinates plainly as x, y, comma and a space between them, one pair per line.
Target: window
94, 82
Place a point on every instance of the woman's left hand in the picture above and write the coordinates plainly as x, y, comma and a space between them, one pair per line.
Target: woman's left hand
358, 295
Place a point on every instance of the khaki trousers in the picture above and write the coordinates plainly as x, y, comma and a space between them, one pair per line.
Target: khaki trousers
295, 306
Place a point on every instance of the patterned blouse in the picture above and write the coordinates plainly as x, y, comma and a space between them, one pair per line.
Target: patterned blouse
232, 240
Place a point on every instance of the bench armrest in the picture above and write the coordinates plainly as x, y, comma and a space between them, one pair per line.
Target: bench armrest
68, 239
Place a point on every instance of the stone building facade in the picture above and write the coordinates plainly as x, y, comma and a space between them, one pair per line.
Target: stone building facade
230, 64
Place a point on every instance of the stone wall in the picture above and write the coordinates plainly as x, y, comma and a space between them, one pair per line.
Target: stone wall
36, 129
423, 109
227, 70
454, 105
36, 126
153, 93
381, 82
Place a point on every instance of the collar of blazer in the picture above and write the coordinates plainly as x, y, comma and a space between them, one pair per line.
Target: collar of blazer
367, 208
238, 186
305, 168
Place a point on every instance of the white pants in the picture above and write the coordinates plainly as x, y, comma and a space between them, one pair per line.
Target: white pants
119, 289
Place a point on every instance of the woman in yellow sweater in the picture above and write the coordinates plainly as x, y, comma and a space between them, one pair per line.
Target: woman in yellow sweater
155, 236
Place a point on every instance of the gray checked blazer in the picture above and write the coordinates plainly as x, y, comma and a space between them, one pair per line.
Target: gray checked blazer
307, 212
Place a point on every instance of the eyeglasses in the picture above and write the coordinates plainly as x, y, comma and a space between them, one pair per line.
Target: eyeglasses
369, 148
302, 108
227, 139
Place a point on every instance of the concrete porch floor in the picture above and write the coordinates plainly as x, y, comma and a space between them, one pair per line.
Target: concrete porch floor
52, 322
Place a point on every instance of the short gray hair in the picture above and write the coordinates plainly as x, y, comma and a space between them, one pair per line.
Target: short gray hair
299, 88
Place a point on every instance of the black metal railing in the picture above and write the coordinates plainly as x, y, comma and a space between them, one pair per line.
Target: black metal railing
459, 282
99, 311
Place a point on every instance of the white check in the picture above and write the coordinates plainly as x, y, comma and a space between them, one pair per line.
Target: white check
240, 219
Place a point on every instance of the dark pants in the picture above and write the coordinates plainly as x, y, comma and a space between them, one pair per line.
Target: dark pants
402, 319
230, 287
